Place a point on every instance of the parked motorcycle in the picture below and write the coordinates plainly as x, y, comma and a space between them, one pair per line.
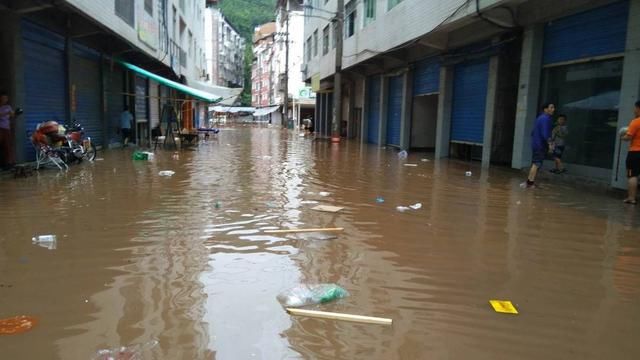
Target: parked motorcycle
69, 144
80, 146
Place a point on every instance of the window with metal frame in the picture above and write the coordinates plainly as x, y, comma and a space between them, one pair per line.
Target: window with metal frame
325, 40
350, 19
393, 3
125, 10
369, 11
148, 6
315, 43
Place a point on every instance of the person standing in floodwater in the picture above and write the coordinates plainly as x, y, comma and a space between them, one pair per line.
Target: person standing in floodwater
6, 140
632, 134
558, 136
541, 142
125, 125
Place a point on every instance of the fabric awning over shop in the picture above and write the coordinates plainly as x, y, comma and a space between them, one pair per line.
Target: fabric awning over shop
198, 94
232, 109
266, 110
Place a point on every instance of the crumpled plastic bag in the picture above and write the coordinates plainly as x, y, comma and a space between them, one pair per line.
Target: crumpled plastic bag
166, 173
132, 352
304, 295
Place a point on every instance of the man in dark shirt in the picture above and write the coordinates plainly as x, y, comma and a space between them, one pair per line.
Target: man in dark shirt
540, 141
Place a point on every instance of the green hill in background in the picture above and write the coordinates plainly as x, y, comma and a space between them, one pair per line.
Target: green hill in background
245, 15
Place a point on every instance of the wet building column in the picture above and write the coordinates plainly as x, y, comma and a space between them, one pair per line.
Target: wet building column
528, 90
629, 93
407, 96
382, 122
365, 111
490, 112
443, 127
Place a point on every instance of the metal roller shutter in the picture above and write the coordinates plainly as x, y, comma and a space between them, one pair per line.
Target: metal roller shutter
44, 80
141, 99
85, 75
115, 100
394, 109
592, 33
154, 104
373, 110
426, 77
470, 83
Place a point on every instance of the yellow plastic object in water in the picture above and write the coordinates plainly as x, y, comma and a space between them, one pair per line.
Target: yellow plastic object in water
503, 306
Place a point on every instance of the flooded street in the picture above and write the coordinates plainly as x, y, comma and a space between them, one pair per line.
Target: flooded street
185, 261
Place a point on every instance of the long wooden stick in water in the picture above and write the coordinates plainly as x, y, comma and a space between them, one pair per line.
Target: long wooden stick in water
302, 230
339, 316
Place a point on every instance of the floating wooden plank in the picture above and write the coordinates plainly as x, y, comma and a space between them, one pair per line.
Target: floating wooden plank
302, 230
327, 208
339, 316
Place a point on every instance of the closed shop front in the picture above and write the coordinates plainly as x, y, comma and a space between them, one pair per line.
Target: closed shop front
469, 102
141, 109
583, 57
154, 104
426, 77
45, 85
424, 113
394, 109
115, 99
373, 109
86, 92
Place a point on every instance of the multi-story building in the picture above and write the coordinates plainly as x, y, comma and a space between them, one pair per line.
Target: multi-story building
290, 27
466, 78
84, 60
224, 48
263, 90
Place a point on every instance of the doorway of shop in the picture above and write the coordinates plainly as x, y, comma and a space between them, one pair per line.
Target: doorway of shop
423, 122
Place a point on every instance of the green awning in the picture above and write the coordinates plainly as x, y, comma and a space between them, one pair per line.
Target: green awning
199, 94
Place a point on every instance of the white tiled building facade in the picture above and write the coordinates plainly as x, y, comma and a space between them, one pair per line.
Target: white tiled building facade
224, 50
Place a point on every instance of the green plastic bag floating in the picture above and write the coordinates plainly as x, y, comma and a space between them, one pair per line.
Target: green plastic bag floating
138, 155
304, 295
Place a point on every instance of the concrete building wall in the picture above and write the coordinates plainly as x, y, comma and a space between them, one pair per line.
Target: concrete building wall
374, 37
224, 49
145, 33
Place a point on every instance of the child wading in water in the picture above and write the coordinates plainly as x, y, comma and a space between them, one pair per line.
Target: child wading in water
558, 136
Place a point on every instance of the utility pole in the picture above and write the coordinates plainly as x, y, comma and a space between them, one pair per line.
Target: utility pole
286, 68
337, 78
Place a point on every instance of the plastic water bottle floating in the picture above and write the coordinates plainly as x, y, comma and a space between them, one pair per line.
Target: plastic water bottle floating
43, 238
45, 241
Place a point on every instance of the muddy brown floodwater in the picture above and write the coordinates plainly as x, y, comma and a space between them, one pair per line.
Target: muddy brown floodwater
184, 260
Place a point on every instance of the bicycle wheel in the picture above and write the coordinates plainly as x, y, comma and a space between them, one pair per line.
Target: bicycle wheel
90, 153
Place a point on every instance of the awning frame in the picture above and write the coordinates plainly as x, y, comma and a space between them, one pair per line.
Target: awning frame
199, 94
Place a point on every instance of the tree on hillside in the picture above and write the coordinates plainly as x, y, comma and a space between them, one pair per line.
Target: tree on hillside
245, 15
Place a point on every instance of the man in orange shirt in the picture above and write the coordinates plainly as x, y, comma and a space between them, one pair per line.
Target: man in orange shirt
632, 134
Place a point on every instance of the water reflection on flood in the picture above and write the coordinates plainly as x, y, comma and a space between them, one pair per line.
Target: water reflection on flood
184, 260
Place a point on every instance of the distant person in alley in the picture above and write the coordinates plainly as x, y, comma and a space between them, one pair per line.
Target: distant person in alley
126, 119
541, 142
558, 136
6, 146
632, 134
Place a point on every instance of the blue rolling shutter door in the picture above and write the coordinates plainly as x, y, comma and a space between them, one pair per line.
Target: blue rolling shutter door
44, 80
426, 77
86, 77
373, 110
470, 83
115, 100
592, 33
394, 110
